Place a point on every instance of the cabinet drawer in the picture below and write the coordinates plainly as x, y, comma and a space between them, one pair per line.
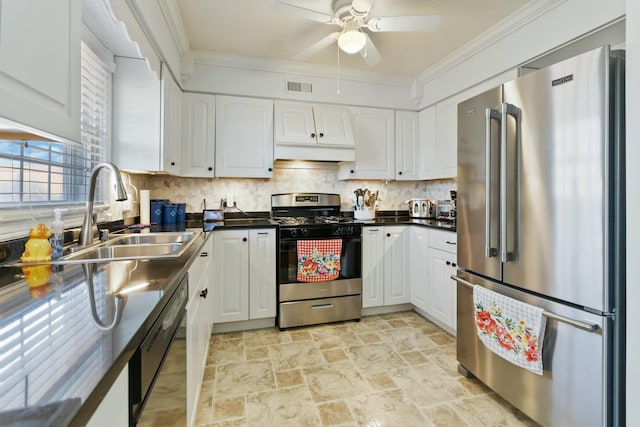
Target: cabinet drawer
443, 240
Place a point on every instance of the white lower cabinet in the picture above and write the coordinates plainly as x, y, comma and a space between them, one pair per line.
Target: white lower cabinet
244, 275
441, 290
113, 411
419, 269
385, 266
198, 326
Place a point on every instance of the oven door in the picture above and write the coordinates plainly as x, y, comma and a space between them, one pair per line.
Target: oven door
348, 282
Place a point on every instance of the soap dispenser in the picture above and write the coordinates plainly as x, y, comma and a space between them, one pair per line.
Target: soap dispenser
57, 233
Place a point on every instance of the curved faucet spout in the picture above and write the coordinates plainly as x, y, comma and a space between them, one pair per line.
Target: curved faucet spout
86, 236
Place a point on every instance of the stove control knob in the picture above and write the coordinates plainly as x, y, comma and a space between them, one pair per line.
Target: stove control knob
294, 232
304, 232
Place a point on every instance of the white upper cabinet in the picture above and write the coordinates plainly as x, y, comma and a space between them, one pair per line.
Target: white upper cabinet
428, 140
198, 135
313, 132
407, 146
446, 153
146, 118
40, 65
171, 119
244, 137
374, 132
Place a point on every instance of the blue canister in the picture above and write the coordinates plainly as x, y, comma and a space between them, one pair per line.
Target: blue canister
181, 209
169, 213
155, 214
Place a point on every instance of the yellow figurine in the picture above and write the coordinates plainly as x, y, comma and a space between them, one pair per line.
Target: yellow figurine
37, 248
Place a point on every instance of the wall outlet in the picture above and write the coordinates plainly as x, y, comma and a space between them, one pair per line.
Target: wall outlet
127, 205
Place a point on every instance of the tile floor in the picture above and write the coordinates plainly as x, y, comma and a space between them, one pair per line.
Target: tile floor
388, 370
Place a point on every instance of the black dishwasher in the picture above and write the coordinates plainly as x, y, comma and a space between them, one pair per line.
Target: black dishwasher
148, 359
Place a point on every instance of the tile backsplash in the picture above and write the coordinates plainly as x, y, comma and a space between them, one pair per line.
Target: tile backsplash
255, 194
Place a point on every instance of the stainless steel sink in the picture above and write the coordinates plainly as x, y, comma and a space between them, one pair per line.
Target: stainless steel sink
150, 238
128, 251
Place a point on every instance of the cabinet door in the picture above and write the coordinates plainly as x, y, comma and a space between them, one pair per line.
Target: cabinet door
407, 141
113, 411
244, 137
230, 296
447, 139
428, 142
262, 273
333, 125
374, 132
419, 267
294, 123
198, 135
136, 116
441, 293
194, 345
171, 101
396, 265
40, 65
373, 266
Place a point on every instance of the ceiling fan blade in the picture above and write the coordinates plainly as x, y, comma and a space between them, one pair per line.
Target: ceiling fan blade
313, 15
361, 8
369, 53
316, 47
405, 23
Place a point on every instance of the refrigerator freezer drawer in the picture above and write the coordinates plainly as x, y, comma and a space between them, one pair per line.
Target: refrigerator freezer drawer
572, 391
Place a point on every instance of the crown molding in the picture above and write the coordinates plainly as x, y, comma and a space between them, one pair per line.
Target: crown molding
501, 30
297, 68
172, 16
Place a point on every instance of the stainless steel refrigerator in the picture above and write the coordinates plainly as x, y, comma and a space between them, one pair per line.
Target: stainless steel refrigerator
541, 219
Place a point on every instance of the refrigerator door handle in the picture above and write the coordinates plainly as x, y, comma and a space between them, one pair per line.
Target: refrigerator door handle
513, 111
490, 114
589, 327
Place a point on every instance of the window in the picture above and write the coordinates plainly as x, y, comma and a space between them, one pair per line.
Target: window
36, 172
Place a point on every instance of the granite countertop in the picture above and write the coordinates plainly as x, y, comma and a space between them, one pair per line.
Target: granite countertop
56, 363
400, 218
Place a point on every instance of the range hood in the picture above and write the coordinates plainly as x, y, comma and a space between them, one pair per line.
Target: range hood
314, 153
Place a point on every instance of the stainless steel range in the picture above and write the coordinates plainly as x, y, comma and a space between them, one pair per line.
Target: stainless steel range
319, 260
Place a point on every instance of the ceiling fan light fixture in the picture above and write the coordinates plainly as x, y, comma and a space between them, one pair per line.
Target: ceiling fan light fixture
352, 41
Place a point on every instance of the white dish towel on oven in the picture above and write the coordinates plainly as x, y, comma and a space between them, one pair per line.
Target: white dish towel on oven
512, 329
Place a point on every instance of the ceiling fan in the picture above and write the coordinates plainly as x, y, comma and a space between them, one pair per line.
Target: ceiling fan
353, 18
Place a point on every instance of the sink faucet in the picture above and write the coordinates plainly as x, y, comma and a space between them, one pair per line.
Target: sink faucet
86, 235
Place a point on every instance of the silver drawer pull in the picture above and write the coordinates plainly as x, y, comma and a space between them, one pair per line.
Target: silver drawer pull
319, 306
589, 327
263, 233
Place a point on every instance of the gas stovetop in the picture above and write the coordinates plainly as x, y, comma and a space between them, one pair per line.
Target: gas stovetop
302, 220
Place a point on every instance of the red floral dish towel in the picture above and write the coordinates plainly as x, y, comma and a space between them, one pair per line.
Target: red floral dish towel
511, 329
319, 260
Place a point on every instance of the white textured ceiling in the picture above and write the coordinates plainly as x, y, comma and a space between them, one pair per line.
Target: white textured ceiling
248, 28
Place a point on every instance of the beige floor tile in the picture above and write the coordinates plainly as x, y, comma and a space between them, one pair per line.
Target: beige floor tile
289, 378
295, 355
428, 384
236, 379
387, 408
284, 407
262, 337
444, 416
398, 323
442, 338
377, 357
163, 418
335, 413
225, 351
380, 381
300, 335
227, 409
369, 337
334, 355
255, 353
473, 386
407, 339
369, 324
335, 381
335, 337
414, 357
489, 410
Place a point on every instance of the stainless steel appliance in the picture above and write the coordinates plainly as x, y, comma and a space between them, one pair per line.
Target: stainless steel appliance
421, 208
314, 218
540, 212
145, 364
444, 210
